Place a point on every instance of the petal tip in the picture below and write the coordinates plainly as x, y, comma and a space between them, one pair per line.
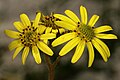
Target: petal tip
81, 6
13, 58
116, 37
23, 14
105, 60
89, 65
66, 11
23, 62
9, 48
51, 54
5, 31
73, 61
61, 54
38, 62
53, 44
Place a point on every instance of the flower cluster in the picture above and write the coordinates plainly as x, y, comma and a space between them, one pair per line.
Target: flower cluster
34, 34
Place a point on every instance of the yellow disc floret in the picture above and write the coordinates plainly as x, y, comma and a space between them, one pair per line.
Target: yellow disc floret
29, 36
85, 32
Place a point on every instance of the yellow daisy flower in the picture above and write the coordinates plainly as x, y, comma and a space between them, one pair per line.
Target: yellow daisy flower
48, 25
82, 34
29, 36
51, 27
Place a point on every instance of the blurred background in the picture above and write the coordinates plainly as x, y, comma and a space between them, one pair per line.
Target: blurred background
109, 12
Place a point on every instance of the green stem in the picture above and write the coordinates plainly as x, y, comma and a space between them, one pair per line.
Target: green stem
51, 66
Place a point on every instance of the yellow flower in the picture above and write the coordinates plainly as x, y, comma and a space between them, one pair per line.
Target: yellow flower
83, 34
48, 25
29, 36
51, 27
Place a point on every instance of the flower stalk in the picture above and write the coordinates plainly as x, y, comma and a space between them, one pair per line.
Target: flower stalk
51, 66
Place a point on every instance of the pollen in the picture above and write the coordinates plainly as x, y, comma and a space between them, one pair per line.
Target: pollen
29, 36
85, 32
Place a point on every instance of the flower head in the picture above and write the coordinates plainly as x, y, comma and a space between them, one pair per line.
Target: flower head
29, 35
51, 27
83, 34
48, 25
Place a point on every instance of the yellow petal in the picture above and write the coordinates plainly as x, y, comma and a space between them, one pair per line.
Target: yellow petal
25, 54
64, 38
65, 25
91, 53
100, 50
45, 41
19, 26
93, 20
36, 54
61, 30
48, 29
65, 18
25, 20
83, 13
43, 47
12, 34
106, 36
104, 46
37, 19
54, 31
69, 46
48, 36
79, 51
41, 29
72, 15
102, 29
14, 44
17, 51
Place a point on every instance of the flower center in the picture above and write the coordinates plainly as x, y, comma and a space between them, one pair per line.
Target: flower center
29, 36
85, 32
48, 21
